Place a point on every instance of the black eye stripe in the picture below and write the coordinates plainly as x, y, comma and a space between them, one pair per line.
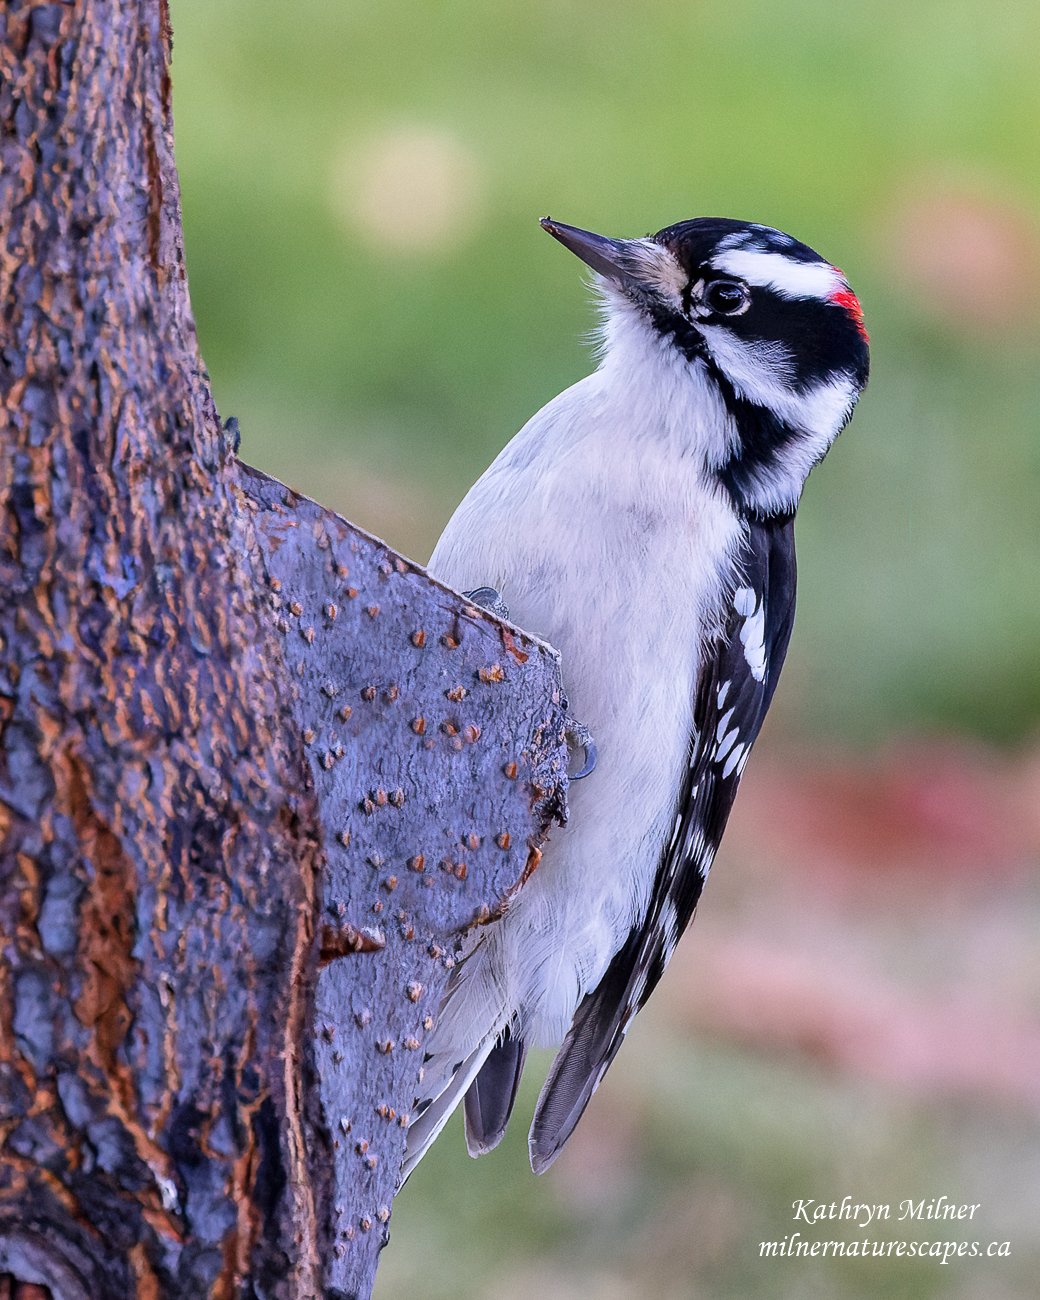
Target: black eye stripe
686, 301
821, 339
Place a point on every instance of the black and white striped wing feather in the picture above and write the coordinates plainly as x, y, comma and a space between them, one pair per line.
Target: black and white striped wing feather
734, 690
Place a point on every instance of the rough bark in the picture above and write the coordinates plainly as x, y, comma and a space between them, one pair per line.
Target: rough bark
257, 773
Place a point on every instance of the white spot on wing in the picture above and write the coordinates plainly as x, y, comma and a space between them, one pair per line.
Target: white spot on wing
723, 692
724, 722
733, 760
701, 853
752, 637
670, 929
725, 744
637, 992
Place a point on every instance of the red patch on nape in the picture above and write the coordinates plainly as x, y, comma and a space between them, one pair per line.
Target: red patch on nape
847, 299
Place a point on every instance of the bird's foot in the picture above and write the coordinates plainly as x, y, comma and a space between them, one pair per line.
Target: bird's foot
490, 599
578, 734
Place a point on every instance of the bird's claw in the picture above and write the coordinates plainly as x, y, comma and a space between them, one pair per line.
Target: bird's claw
578, 734
490, 599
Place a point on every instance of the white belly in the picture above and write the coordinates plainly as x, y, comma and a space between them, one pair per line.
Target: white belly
603, 543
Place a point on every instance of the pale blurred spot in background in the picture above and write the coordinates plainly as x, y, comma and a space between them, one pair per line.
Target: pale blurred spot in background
411, 190
966, 253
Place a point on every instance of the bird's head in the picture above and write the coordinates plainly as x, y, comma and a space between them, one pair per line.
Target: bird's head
767, 328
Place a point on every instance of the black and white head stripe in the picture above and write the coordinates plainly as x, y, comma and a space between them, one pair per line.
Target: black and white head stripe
775, 269
781, 334
736, 685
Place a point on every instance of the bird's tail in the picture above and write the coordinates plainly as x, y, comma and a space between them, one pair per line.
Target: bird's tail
591, 1044
471, 1038
449, 1081
490, 1097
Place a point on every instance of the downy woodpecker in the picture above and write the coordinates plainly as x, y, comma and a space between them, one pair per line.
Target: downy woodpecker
641, 522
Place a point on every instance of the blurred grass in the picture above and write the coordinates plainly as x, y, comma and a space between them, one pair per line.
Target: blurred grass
382, 376
377, 305
725, 1143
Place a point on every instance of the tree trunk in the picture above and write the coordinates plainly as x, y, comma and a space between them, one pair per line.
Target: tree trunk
258, 774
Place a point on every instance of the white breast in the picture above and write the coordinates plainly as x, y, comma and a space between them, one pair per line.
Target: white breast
599, 528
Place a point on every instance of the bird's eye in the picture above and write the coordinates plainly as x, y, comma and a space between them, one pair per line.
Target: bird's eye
727, 297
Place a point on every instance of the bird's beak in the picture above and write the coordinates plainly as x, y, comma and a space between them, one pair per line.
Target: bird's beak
611, 258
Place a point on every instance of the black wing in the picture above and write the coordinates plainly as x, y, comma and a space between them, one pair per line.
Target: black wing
734, 690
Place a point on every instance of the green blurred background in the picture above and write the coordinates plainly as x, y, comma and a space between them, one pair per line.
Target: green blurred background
856, 1011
